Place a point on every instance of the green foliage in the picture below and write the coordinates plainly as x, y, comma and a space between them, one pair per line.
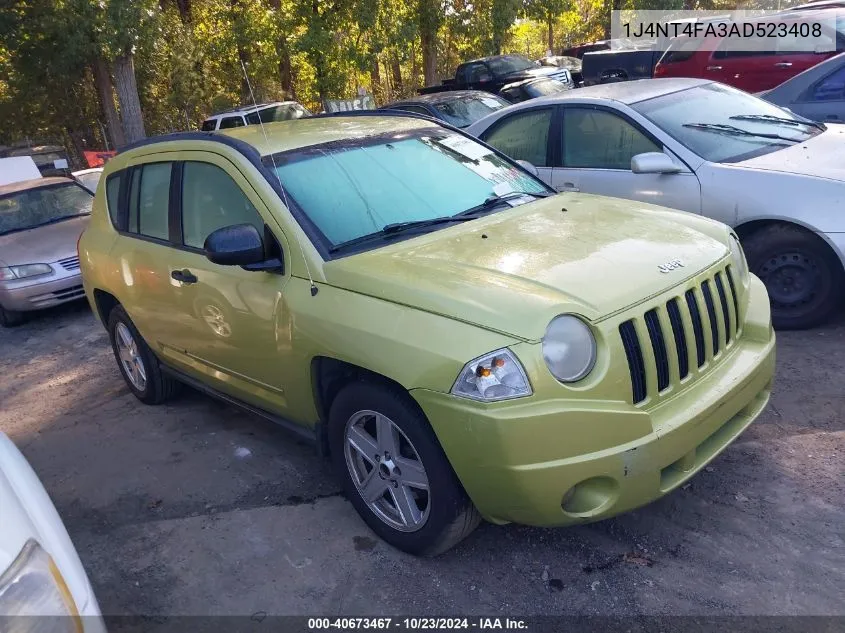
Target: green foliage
188, 65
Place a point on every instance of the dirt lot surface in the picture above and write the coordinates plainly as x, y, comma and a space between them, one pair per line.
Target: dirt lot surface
198, 508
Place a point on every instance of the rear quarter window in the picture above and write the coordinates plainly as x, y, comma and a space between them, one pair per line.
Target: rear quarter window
113, 197
680, 51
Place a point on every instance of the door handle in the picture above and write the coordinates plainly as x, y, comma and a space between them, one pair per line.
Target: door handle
568, 186
713, 68
783, 65
185, 276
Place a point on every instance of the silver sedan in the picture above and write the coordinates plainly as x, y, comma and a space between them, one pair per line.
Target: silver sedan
705, 148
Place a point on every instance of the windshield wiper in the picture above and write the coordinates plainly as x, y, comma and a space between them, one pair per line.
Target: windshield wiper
732, 130
495, 200
777, 119
472, 213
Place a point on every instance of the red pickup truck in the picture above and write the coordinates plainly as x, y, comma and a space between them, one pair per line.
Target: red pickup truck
755, 63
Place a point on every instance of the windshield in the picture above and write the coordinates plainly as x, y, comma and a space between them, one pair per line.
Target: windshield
700, 118
367, 184
43, 205
543, 87
90, 180
284, 112
510, 64
465, 111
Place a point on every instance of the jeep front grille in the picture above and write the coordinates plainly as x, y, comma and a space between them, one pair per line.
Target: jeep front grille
660, 346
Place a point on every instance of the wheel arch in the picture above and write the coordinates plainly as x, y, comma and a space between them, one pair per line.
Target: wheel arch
749, 228
104, 302
328, 376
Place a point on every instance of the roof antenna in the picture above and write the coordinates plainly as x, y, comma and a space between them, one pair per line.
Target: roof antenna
276, 172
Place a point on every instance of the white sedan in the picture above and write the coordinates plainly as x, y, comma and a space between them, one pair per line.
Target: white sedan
705, 148
40, 571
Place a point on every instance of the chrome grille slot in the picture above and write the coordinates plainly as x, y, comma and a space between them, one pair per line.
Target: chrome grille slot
720, 288
680, 336
636, 364
658, 345
698, 329
69, 263
711, 312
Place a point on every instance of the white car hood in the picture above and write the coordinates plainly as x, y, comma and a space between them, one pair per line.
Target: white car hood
822, 156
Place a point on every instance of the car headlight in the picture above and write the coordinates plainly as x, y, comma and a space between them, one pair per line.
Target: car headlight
494, 376
569, 348
738, 262
33, 586
26, 270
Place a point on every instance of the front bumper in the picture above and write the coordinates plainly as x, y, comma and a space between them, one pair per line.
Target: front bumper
520, 462
24, 295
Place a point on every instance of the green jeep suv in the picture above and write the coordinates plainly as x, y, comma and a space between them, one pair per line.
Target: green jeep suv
463, 342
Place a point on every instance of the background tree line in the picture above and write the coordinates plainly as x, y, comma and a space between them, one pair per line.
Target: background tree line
91, 73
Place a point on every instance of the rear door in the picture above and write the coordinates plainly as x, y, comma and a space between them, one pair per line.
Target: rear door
595, 148
524, 135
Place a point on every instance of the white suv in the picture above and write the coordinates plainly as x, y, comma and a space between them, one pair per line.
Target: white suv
252, 115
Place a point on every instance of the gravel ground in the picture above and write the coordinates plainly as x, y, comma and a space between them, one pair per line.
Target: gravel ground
198, 508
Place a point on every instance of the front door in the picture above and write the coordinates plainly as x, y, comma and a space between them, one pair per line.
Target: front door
595, 150
232, 321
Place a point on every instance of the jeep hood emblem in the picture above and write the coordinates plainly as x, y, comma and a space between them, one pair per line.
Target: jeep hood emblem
670, 266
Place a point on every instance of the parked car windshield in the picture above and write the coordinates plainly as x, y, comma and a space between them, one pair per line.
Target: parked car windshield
283, 112
510, 64
725, 125
465, 111
43, 205
366, 184
543, 87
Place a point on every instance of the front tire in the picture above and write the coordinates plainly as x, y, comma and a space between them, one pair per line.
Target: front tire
137, 363
801, 273
10, 318
394, 471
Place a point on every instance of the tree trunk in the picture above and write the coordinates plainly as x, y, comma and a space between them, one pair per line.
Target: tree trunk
127, 95
105, 90
550, 22
396, 71
428, 40
375, 78
184, 7
285, 67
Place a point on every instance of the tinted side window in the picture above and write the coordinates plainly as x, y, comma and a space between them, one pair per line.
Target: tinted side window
731, 47
209, 126
601, 140
831, 88
231, 121
113, 197
148, 200
210, 201
523, 136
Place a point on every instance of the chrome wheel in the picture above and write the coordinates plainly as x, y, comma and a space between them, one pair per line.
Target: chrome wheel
130, 357
387, 471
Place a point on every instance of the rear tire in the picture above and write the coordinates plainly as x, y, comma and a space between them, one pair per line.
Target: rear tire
441, 515
801, 273
137, 363
10, 318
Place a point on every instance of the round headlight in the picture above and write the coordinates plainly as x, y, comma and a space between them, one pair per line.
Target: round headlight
738, 262
569, 348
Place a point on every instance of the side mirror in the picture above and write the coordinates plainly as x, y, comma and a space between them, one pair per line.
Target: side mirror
529, 167
653, 163
235, 245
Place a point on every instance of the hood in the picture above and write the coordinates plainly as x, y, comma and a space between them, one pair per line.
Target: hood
43, 244
515, 270
822, 156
